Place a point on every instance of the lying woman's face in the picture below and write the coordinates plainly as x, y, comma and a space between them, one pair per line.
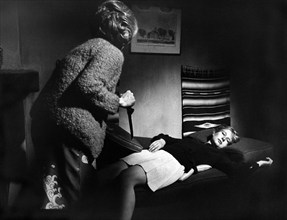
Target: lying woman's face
222, 138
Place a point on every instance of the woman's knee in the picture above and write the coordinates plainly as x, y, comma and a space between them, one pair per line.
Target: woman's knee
133, 176
110, 172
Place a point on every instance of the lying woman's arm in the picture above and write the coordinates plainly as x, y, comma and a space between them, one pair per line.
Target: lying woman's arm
200, 168
203, 167
168, 139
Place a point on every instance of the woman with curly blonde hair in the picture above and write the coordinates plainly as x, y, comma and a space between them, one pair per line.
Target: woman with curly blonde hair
69, 116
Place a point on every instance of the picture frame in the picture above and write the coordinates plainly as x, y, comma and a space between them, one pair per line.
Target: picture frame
159, 30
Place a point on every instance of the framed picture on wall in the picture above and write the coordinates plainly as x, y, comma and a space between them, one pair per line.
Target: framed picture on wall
159, 30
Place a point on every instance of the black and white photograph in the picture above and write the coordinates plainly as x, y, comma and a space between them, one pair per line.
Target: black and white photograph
143, 109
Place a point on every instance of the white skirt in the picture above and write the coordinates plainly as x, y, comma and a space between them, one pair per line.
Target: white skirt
161, 168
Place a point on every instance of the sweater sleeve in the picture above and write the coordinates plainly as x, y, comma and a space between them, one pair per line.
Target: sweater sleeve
167, 138
235, 169
97, 82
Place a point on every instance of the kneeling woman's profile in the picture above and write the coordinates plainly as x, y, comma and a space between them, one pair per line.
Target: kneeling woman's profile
169, 159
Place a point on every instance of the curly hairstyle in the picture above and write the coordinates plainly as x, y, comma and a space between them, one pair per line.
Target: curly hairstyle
235, 136
116, 23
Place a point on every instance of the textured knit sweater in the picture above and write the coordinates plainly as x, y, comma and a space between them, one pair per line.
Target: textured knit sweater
79, 95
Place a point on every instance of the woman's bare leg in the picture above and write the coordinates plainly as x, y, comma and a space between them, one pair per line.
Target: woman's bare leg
109, 173
129, 178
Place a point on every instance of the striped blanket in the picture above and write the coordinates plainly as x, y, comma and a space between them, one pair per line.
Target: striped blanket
205, 98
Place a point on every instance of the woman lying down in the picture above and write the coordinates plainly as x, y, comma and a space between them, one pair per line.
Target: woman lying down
168, 160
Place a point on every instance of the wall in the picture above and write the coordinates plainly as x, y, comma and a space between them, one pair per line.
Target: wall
245, 36
9, 34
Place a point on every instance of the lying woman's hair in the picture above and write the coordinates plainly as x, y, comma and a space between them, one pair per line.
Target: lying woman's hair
116, 23
235, 136
233, 154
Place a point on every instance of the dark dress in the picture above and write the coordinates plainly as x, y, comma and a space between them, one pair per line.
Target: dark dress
191, 152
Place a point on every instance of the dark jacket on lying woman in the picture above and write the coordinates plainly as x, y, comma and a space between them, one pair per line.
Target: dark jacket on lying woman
191, 152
